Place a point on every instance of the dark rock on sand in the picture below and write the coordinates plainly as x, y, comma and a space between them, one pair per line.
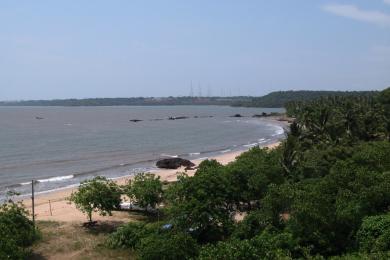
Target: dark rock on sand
135, 120
174, 163
237, 115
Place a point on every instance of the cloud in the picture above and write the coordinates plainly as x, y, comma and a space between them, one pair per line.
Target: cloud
353, 12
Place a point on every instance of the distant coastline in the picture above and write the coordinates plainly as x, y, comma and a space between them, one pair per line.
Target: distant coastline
275, 99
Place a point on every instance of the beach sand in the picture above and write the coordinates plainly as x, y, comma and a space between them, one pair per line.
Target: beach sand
53, 206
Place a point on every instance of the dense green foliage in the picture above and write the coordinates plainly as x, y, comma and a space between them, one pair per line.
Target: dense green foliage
374, 234
281, 98
324, 193
266, 245
250, 175
16, 231
340, 119
153, 241
202, 203
167, 245
145, 189
97, 195
128, 236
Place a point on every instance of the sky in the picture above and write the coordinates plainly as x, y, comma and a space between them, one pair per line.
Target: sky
79, 48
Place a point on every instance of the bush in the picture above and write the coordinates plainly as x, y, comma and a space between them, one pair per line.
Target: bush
10, 250
167, 246
16, 231
232, 249
252, 225
267, 245
374, 234
127, 236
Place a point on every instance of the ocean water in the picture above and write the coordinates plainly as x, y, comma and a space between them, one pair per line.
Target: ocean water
61, 146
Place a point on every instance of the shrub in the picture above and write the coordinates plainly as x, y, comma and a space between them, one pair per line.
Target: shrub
374, 234
127, 236
167, 246
267, 245
16, 231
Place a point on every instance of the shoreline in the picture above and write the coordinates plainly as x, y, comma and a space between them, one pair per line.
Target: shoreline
116, 170
53, 206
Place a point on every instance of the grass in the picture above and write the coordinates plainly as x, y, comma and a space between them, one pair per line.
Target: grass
64, 240
72, 241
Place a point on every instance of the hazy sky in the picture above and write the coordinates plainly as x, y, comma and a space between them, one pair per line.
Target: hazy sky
80, 48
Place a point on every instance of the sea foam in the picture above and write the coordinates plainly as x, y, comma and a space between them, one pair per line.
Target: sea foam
55, 179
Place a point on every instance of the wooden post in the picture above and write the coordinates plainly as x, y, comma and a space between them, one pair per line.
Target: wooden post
32, 202
51, 214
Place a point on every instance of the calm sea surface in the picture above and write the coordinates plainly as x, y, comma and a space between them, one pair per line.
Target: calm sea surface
61, 146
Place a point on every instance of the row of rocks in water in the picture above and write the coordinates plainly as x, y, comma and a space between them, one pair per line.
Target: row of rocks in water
187, 117
170, 118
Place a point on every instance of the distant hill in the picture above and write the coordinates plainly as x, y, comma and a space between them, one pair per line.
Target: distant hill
135, 101
280, 98
272, 100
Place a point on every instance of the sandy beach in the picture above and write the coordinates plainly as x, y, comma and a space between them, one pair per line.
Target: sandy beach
55, 207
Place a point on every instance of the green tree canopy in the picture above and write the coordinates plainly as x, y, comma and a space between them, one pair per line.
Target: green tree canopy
202, 203
374, 234
145, 189
251, 173
97, 195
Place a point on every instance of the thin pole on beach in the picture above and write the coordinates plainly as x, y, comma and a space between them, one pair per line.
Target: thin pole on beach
51, 214
32, 202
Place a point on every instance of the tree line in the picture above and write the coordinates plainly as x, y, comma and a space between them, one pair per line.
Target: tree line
133, 101
277, 99
281, 98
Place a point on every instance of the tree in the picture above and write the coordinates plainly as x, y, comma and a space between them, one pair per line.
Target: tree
97, 195
251, 173
146, 189
290, 157
202, 203
384, 99
326, 213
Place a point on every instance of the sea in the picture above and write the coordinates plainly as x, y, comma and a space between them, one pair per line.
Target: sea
59, 147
